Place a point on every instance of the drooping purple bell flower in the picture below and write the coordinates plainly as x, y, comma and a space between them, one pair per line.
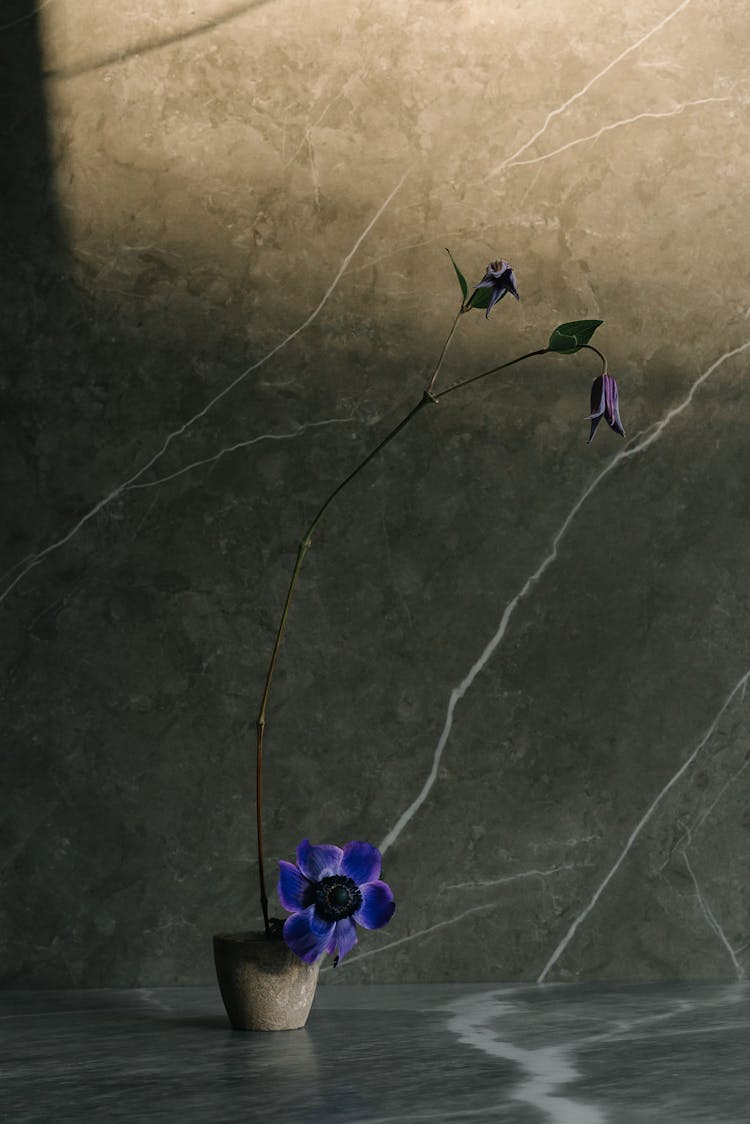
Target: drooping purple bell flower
328, 893
500, 279
605, 403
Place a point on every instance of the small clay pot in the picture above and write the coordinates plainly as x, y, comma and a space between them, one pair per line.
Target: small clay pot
263, 984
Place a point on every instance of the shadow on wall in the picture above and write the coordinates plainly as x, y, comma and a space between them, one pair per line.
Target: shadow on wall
31, 225
126, 661
156, 43
31, 236
32, 252
80, 389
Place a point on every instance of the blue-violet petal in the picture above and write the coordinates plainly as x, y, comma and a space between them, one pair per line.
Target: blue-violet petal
343, 938
377, 906
294, 890
361, 862
318, 862
307, 935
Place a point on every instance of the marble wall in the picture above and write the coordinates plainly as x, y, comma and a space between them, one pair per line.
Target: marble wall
516, 661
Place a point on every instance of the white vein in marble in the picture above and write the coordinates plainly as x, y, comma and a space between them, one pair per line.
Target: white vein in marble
241, 445
28, 16
638, 445
509, 160
712, 920
649, 115
738, 688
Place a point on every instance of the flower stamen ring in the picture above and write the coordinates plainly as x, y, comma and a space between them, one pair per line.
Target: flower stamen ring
337, 897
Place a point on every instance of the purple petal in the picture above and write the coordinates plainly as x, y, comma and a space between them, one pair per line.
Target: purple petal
612, 403
594, 423
361, 862
343, 939
294, 890
597, 398
605, 403
597, 405
610, 396
497, 295
318, 862
377, 905
510, 281
617, 424
307, 935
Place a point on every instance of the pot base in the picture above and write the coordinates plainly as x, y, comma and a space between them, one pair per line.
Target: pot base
263, 984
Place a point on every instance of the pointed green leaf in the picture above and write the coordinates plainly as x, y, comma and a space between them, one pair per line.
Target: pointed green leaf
459, 274
480, 298
568, 338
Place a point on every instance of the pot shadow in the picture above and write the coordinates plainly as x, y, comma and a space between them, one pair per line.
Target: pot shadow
202, 1022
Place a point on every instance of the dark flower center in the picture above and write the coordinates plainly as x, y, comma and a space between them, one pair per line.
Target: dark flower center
337, 897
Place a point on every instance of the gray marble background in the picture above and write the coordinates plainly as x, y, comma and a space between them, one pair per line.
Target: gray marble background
516, 661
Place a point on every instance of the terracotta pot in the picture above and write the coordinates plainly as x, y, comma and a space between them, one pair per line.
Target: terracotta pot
263, 984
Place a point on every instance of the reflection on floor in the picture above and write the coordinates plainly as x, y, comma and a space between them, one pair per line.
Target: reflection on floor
521, 1054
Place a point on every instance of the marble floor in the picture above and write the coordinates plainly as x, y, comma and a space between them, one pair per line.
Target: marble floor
568, 1054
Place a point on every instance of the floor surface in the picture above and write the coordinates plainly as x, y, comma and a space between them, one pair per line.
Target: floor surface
563, 1054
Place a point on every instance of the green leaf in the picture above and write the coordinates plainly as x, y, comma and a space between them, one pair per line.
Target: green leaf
568, 338
459, 274
480, 298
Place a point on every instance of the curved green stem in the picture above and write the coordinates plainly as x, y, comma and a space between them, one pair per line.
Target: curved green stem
260, 727
590, 347
492, 371
520, 359
304, 546
448, 339
427, 398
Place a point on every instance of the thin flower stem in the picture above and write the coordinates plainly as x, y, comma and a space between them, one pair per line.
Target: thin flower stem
306, 543
448, 339
427, 398
260, 727
520, 359
492, 371
590, 347
304, 546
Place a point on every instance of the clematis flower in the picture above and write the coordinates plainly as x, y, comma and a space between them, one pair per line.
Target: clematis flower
328, 893
500, 279
605, 403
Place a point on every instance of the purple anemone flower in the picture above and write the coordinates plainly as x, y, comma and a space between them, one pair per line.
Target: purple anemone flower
605, 403
328, 893
501, 279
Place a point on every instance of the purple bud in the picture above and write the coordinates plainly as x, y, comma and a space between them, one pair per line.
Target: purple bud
605, 403
500, 279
